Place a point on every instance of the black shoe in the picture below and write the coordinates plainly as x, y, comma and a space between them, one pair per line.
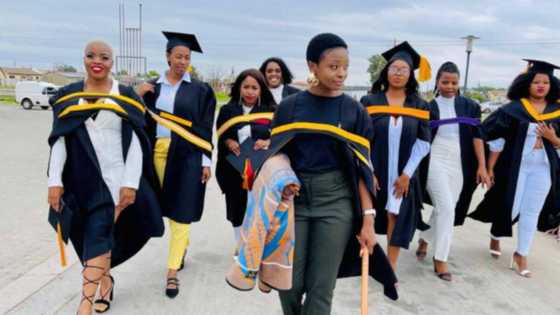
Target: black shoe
445, 276
104, 304
172, 292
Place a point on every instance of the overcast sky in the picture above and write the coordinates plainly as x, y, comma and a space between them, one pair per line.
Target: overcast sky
241, 34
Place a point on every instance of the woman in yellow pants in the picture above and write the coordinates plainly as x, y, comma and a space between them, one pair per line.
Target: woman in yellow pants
182, 158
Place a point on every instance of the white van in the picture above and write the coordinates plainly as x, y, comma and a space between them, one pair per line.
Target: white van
32, 93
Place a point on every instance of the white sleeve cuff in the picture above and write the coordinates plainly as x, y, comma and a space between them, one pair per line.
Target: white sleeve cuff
55, 182
133, 164
206, 161
497, 145
420, 149
56, 163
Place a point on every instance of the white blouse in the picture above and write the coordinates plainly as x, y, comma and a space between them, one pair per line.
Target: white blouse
277, 93
449, 132
529, 145
106, 138
420, 149
166, 102
245, 132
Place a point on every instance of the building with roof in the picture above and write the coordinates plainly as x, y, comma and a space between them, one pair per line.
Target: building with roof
10, 76
62, 78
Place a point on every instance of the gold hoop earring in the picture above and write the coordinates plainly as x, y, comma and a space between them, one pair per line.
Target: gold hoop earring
312, 80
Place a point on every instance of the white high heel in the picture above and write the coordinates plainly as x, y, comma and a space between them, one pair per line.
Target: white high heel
526, 273
493, 252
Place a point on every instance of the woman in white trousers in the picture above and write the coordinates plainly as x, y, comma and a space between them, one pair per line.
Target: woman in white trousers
455, 167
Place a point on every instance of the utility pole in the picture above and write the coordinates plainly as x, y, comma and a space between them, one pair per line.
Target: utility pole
470, 39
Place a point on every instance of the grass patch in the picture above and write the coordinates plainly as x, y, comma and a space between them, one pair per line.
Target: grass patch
10, 100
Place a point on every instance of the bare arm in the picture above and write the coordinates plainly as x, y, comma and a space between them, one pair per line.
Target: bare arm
367, 236
479, 152
492, 159
481, 174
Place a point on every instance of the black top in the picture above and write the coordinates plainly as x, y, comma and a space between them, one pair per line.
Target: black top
353, 119
314, 153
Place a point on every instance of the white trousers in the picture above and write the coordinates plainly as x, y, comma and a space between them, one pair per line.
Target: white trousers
445, 182
533, 186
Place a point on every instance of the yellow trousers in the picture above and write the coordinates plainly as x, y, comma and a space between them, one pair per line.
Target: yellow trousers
180, 232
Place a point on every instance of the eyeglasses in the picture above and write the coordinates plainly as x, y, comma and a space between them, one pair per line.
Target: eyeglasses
401, 71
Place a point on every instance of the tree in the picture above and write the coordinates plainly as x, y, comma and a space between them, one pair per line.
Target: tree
65, 68
477, 96
215, 77
152, 74
376, 64
195, 74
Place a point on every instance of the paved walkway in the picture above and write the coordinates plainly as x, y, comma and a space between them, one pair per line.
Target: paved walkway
31, 282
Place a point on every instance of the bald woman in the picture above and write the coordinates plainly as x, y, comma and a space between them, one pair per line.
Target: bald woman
100, 172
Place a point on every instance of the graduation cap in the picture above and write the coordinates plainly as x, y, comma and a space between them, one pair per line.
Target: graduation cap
61, 221
541, 66
181, 39
405, 52
247, 161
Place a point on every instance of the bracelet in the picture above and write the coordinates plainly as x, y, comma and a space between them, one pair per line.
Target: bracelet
370, 212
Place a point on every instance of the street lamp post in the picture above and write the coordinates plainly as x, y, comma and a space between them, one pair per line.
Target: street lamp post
470, 39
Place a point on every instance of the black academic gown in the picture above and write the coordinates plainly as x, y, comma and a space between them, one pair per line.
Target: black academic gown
289, 90
464, 107
511, 123
182, 193
409, 217
353, 118
228, 177
84, 188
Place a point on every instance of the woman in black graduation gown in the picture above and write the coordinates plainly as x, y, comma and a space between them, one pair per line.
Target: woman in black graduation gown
524, 143
324, 133
100, 174
401, 139
242, 120
181, 155
455, 166
278, 78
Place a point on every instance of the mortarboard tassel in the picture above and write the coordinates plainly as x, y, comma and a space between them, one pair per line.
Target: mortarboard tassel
60, 245
425, 71
248, 175
189, 68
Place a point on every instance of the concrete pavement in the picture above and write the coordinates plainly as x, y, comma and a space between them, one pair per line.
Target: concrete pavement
31, 282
